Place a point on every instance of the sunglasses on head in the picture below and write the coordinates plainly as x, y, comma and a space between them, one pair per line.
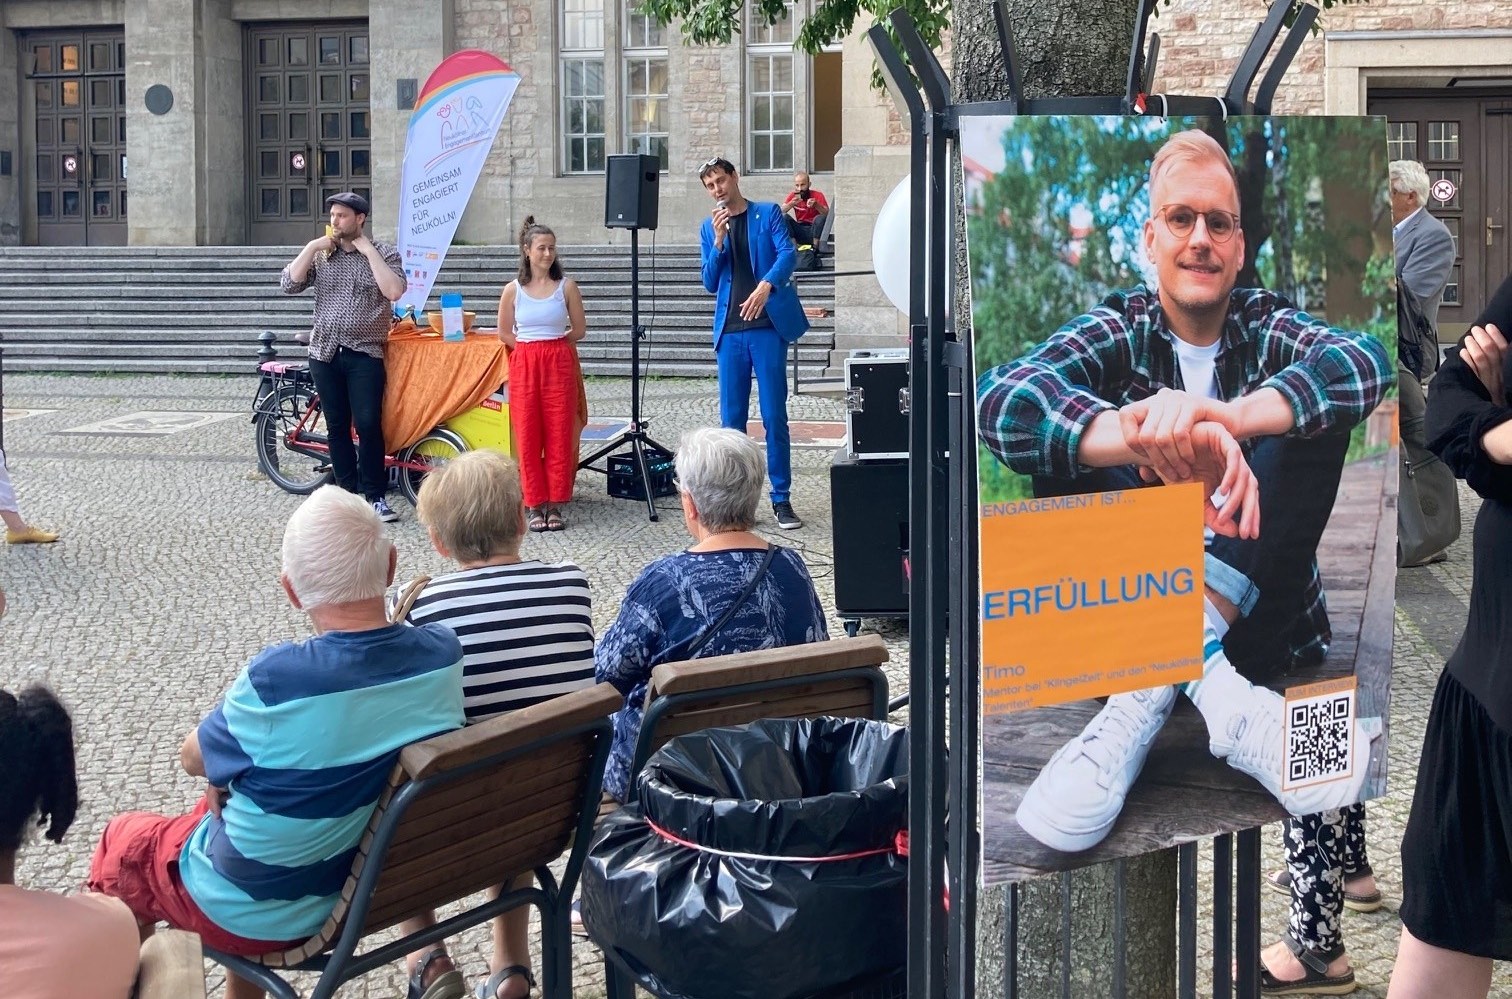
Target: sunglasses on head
1181, 220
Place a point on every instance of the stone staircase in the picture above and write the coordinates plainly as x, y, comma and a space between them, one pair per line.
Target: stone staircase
201, 309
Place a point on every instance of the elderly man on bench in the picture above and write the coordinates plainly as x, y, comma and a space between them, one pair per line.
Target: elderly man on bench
296, 754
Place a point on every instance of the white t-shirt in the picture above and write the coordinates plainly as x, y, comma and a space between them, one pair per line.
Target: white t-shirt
541, 318
1199, 370
1199, 376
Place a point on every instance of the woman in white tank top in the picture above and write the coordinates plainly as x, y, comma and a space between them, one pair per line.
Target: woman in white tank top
540, 318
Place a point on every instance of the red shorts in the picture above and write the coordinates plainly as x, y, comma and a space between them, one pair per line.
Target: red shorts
137, 862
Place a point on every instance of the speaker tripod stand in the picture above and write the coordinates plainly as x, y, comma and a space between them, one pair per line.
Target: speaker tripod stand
634, 435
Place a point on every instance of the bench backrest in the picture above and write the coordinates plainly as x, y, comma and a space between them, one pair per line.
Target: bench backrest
842, 678
472, 809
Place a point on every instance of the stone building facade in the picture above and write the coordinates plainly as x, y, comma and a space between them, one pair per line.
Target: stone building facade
213, 122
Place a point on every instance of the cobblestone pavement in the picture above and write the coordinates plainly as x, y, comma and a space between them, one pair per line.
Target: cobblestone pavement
166, 581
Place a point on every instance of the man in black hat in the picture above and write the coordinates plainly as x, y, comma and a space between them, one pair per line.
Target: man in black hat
356, 283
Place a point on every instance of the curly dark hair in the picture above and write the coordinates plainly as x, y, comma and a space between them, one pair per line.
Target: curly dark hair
528, 232
37, 775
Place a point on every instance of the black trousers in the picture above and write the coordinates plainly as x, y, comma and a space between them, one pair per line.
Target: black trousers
351, 394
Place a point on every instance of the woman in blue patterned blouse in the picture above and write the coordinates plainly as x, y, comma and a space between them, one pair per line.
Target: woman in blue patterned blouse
676, 601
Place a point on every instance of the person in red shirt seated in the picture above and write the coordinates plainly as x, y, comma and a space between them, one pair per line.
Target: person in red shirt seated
805, 209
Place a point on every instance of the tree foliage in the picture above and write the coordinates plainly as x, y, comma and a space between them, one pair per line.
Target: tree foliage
714, 22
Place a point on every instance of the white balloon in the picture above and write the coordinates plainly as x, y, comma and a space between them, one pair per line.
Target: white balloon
891, 247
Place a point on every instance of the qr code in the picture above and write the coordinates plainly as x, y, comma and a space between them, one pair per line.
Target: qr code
1319, 733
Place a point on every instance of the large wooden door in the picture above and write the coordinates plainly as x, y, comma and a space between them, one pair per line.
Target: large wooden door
310, 125
77, 86
1467, 141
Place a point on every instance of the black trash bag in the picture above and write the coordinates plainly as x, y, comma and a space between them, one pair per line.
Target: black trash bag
712, 885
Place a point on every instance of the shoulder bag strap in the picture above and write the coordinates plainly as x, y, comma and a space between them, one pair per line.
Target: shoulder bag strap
407, 597
724, 619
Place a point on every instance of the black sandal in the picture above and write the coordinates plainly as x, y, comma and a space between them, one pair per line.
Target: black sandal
490, 988
1317, 981
535, 519
554, 521
1356, 901
449, 984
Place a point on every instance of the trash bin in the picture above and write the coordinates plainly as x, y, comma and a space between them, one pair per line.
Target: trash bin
761, 861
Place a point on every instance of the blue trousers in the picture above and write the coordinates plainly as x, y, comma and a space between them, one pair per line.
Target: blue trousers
762, 351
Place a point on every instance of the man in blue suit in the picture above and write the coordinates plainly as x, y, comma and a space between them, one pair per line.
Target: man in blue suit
748, 261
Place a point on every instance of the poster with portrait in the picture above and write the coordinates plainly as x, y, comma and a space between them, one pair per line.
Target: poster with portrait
1185, 345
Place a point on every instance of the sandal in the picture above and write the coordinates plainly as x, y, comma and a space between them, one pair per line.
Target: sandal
1317, 981
448, 986
535, 519
554, 521
1357, 901
490, 988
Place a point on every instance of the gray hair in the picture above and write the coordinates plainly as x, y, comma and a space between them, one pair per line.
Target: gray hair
335, 550
1409, 177
722, 470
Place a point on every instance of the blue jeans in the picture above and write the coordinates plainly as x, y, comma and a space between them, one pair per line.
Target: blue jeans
764, 352
351, 393
1267, 576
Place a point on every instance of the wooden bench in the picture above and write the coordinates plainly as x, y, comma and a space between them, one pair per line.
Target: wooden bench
842, 678
171, 966
464, 812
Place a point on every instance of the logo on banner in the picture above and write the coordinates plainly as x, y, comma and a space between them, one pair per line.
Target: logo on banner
457, 116
1089, 595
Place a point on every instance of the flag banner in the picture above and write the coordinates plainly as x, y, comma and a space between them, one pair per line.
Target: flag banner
1184, 339
457, 115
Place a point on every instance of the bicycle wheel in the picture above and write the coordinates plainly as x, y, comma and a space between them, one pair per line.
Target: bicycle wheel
434, 449
291, 469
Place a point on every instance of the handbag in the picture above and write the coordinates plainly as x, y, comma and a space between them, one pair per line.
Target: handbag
1428, 516
724, 619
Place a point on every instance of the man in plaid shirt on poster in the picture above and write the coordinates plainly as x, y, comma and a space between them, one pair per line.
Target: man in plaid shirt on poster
1196, 381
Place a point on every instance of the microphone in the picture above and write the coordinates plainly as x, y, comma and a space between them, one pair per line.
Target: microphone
721, 203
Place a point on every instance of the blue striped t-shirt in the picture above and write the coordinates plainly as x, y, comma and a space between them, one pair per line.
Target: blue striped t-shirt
305, 739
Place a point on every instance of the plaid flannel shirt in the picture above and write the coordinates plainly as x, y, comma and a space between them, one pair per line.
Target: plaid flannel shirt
1033, 411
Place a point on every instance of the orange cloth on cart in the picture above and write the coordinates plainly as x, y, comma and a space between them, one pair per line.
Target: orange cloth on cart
431, 380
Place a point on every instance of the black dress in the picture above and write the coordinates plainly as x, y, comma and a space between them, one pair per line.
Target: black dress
1457, 852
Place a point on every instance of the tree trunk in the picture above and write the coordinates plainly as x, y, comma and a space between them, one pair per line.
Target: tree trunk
1070, 48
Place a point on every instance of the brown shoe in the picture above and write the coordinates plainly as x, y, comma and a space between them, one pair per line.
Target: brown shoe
30, 536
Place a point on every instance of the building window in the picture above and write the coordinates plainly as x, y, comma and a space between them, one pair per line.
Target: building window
769, 53
645, 85
1401, 140
582, 56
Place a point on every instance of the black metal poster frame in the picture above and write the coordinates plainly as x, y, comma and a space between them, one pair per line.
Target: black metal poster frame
944, 671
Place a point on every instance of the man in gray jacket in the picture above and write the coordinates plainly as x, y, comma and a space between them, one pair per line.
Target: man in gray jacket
1424, 260
1424, 247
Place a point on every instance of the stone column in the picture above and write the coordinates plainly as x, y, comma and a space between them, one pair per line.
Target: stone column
873, 159
10, 136
222, 128
408, 40
167, 192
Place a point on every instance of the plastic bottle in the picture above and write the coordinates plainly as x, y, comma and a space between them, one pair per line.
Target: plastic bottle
451, 317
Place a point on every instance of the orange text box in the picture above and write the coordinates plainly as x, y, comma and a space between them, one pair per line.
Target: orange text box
1084, 596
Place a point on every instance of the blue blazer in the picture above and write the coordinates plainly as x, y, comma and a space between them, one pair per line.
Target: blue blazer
772, 259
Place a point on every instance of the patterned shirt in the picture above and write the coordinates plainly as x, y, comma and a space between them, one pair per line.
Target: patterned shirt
1033, 411
350, 309
673, 602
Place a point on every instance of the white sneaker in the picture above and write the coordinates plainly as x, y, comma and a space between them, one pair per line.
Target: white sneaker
1245, 726
1073, 803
